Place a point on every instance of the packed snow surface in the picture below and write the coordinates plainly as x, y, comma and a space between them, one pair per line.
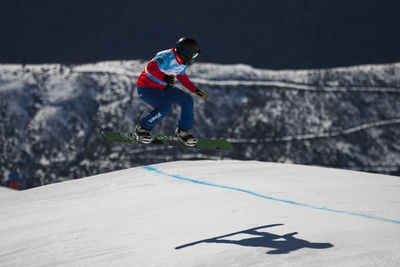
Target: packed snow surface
206, 213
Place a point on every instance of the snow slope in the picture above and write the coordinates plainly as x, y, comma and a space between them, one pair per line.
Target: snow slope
206, 213
52, 116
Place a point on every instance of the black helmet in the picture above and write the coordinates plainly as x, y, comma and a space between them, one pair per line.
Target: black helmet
188, 49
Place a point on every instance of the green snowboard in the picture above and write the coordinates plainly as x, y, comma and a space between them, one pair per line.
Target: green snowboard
129, 138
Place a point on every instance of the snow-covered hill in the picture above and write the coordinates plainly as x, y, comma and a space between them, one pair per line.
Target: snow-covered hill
52, 115
206, 213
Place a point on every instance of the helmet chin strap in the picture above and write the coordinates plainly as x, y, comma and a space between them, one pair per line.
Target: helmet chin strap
187, 60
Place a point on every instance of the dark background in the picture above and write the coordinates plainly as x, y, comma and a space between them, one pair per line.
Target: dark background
268, 34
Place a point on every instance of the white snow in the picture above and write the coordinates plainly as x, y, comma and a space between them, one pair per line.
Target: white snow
195, 213
45, 106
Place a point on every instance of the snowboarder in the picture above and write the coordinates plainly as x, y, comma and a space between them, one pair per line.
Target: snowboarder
155, 86
14, 179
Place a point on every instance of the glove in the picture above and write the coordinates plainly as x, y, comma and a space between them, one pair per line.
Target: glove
169, 79
201, 94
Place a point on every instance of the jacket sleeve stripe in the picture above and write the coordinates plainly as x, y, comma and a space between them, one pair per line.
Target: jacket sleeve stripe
154, 73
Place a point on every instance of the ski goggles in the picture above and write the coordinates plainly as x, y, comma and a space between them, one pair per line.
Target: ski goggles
187, 52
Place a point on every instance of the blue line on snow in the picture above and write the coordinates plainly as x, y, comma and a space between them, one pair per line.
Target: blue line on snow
271, 198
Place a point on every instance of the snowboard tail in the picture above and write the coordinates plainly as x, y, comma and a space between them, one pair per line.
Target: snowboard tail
129, 138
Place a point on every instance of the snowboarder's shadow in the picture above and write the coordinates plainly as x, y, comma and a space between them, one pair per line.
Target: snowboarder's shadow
282, 244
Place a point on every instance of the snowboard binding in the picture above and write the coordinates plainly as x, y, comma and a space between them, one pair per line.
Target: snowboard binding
143, 135
186, 137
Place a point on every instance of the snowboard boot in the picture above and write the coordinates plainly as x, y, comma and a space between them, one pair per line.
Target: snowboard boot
186, 137
142, 135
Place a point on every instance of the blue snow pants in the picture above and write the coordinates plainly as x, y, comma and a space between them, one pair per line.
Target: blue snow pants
161, 101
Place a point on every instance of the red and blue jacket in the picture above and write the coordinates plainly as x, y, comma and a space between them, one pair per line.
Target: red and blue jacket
165, 63
14, 176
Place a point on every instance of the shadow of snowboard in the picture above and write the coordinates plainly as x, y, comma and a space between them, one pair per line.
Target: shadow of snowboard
282, 244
